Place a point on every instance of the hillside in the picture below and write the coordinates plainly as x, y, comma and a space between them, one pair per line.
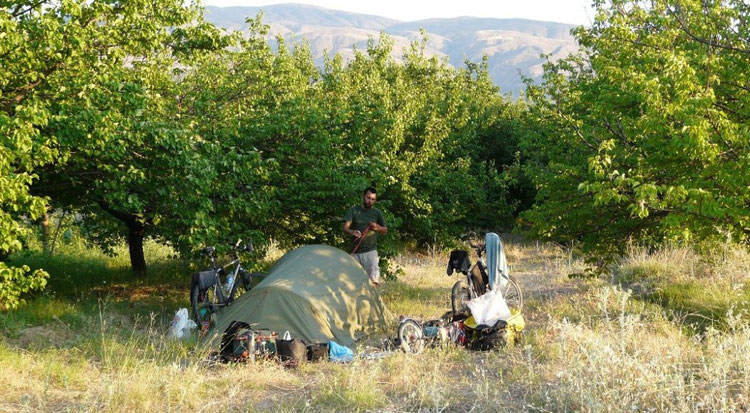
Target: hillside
513, 46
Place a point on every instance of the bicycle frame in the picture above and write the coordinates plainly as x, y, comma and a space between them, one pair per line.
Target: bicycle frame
219, 287
234, 274
469, 289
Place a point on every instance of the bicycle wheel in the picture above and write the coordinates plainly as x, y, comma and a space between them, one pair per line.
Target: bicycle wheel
460, 295
203, 303
245, 284
512, 295
410, 336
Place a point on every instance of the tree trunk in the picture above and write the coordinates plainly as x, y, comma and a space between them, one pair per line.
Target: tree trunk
136, 231
135, 245
45, 232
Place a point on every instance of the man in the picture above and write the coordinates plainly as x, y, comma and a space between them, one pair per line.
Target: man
364, 223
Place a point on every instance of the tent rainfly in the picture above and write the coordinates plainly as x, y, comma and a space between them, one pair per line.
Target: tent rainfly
317, 292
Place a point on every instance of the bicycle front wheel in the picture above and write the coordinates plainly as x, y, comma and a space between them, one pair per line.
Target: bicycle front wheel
410, 336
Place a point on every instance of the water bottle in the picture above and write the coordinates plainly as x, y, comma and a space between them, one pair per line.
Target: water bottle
228, 284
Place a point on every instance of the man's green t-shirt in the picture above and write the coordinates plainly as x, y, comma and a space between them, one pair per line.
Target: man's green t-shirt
360, 219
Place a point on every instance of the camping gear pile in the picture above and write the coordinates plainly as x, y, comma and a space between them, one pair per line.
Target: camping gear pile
485, 320
242, 343
414, 336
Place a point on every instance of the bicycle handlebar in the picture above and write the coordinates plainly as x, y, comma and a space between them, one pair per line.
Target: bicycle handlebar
210, 250
478, 247
245, 247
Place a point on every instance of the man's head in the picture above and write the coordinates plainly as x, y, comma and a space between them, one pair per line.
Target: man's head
369, 196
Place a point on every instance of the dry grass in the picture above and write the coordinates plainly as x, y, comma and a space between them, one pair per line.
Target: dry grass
619, 360
680, 263
698, 290
589, 346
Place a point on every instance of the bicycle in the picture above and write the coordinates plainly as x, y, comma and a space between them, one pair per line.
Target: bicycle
207, 291
477, 282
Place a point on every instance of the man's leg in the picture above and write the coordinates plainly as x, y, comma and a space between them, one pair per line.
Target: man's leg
369, 261
372, 268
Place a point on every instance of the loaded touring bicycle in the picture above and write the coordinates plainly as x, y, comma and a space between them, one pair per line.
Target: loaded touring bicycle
483, 276
486, 304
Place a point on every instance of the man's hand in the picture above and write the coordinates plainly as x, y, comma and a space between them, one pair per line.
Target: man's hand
356, 234
378, 228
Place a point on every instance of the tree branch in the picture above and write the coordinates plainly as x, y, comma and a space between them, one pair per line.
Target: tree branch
707, 42
128, 219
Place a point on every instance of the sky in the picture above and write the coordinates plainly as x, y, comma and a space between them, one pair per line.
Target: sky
562, 11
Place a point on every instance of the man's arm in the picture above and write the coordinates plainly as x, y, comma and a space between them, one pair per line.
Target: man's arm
346, 229
348, 218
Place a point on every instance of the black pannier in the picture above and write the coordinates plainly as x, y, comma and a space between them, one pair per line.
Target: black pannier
292, 351
205, 279
238, 342
486, 337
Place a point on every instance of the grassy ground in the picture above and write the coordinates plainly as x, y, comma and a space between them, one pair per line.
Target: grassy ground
95, 340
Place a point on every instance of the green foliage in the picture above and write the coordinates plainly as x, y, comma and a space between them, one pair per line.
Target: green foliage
293, 147
128, 158
645, 135
86, 107
15, 281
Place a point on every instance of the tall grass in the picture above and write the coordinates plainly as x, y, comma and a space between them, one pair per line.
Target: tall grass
619, 361
82, 275
697, 289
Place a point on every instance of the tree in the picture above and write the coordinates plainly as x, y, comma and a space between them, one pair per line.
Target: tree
81, 84
644, 136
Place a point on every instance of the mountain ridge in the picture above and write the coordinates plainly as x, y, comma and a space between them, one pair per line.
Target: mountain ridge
513, 46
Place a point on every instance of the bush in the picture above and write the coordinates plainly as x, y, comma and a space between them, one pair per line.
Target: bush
15, 281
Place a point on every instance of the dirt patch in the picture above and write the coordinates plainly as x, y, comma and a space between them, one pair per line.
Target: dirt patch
55, 334
130, 292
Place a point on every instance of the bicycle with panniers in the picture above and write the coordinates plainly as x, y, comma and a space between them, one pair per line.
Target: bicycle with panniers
219, 285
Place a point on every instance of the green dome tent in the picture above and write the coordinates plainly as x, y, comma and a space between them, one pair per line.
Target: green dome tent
317, 292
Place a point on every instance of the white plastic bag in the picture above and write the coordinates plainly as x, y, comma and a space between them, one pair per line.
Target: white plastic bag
489, 308
181, 324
